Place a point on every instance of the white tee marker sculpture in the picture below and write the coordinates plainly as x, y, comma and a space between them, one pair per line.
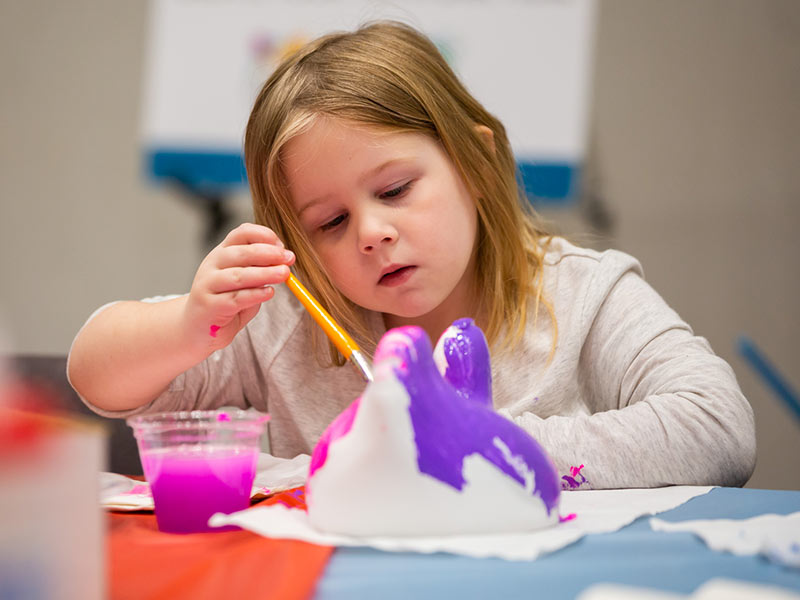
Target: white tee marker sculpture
422, 452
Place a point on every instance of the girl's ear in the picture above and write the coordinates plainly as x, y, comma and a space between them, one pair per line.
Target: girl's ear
487, 135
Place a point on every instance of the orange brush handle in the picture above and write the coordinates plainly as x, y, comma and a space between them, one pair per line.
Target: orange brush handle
343, 342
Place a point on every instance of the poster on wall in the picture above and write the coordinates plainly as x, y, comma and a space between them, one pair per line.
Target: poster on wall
526, 61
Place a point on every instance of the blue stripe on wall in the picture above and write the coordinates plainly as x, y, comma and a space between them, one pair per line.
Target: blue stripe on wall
550, 183
546, 183
202, 172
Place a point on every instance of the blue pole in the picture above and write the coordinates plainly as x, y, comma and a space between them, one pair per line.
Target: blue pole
769, 373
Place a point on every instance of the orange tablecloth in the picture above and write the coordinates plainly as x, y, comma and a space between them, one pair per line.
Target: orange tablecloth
147, 564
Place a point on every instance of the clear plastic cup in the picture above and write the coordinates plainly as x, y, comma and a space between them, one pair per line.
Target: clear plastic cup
198, 463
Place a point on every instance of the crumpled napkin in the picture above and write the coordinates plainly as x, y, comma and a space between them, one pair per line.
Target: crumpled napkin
273, 475
118, 492
714, 589
596, 511
775, 536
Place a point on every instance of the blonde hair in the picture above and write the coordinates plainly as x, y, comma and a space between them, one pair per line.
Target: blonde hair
389, 76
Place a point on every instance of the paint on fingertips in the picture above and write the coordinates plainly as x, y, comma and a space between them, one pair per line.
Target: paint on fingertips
212, 331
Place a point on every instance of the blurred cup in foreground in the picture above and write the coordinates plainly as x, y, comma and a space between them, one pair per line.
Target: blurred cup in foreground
51, 524
198, 463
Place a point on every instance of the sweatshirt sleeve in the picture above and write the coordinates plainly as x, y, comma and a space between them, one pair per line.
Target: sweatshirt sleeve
234, 376
662, 408
210, 384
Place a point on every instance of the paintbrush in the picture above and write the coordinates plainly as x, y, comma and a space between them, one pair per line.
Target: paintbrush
340, 338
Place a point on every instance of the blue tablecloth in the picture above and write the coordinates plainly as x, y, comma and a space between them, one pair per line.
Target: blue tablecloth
634, 555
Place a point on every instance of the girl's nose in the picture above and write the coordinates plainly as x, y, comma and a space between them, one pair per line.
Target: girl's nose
374, 232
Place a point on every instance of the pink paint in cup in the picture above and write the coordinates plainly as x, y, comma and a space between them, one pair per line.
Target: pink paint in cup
198, 463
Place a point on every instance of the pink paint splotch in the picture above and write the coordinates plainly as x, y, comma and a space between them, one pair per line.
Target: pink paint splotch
574, 480
569, 517
212, 331
338, 428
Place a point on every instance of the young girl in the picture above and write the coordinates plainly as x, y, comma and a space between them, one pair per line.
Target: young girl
396, 192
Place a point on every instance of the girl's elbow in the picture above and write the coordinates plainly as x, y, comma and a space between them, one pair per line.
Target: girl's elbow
740, 443
742, 458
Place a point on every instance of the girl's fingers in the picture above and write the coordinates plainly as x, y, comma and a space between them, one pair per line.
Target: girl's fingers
240, 302
235, 278
242, 278
255, 255
250, 233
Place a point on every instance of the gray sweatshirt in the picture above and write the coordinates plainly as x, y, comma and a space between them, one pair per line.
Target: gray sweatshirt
629, 398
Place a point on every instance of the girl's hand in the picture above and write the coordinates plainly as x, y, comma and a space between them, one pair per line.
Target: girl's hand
232, 282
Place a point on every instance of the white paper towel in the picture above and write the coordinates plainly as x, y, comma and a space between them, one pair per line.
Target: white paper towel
598, 511
775, 536
713, 589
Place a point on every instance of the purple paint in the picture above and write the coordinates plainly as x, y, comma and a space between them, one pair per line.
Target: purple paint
574, 480
212, 331
447, 429
293, 499
190, 485
468, 365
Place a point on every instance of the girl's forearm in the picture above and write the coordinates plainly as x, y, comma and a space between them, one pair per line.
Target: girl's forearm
130, 352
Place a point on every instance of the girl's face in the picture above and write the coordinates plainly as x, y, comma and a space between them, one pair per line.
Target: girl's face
390, 218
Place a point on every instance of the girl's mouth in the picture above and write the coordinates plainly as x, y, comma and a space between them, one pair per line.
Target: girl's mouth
397, 277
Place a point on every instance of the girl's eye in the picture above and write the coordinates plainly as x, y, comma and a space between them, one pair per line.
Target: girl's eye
333, 223
395, 192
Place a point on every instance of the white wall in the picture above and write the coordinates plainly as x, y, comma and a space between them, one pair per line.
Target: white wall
696, 148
